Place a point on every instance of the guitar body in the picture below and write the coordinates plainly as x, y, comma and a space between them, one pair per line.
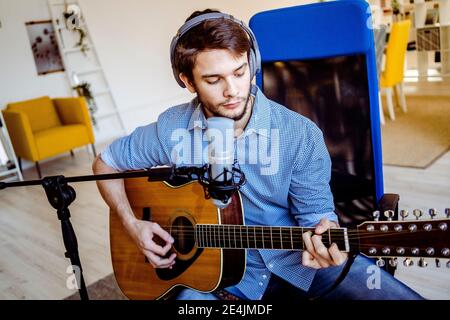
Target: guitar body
210, 243
174, 208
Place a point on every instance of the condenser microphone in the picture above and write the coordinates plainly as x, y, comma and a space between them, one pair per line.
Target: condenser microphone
221, 176
220, 137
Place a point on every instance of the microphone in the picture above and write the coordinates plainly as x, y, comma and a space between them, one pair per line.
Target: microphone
220, 134
221, 176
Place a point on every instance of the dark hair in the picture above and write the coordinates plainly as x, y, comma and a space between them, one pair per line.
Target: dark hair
210, 34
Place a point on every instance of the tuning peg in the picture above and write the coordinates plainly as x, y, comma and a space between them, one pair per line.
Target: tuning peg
432, 212
438, 263
393, 262
389, 214
380, 262
404, 214
376, 215
417, 213
422, 263
447, 212
408, 262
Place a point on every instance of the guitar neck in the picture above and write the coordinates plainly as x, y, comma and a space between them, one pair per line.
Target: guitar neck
263, 237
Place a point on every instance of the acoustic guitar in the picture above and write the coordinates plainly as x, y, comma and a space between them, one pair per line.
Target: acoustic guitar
210, 243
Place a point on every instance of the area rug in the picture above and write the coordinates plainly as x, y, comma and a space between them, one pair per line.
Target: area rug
420, 136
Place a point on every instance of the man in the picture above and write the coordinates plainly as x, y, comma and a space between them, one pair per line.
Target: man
215, 59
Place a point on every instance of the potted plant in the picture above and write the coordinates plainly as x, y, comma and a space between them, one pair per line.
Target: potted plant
84, 90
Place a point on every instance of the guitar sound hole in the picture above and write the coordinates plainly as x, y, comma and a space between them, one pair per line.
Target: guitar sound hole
183, 234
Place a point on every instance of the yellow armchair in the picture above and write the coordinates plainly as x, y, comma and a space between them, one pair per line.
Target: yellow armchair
43, 127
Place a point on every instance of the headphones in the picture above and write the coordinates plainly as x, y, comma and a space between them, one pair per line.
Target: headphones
254, 54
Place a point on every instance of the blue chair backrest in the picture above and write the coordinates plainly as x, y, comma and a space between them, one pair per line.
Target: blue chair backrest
319, 60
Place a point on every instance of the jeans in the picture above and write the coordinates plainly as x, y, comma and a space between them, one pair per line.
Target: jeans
364, 281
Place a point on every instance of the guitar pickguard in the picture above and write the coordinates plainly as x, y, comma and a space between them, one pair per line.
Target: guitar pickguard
179, 267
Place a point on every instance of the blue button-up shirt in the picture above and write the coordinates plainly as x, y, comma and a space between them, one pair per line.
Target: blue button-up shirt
285, 161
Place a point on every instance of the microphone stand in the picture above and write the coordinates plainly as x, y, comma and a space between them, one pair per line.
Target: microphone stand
60, 195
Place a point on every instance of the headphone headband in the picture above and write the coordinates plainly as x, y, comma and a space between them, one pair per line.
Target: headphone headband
254, 56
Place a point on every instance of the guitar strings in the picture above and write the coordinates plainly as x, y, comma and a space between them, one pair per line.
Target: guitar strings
295, 245
351, 233
211, 238
351, 236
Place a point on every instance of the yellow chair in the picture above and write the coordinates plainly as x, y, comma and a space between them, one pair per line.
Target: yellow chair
43, 127
392, 76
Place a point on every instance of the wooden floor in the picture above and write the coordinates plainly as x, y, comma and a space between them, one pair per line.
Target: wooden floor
423, 189
32, 262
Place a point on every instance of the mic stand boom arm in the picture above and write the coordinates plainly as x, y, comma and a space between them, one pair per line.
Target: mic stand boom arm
60, 195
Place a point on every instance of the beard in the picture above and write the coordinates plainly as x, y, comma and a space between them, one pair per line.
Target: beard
217, 111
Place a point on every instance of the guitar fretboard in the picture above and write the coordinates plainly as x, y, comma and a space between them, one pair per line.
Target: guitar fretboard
262, 237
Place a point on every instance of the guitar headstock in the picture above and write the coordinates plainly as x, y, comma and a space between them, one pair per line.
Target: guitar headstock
427, 238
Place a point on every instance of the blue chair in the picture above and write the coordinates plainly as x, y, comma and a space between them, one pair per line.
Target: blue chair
319, 60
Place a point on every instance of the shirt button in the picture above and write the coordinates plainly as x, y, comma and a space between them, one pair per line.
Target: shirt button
270, 265
261, 284
264, 276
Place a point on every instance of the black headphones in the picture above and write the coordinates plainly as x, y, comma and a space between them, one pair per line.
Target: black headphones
254, 54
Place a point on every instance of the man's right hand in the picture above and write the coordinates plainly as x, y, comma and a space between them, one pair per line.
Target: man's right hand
143, 233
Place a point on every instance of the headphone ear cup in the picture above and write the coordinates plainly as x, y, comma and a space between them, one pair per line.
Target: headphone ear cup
252, 63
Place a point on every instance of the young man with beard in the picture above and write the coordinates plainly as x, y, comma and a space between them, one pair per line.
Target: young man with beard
215, 59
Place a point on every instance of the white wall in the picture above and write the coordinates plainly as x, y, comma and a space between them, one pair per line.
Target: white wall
132, 39
18, 75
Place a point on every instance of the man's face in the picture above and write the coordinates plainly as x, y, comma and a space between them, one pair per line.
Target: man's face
222, 83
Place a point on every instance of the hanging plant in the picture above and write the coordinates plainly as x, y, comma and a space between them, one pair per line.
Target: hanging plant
84, 90
83, 46
395, 9
72, 17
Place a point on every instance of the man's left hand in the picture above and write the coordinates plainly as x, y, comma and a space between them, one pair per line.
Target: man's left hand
316, 254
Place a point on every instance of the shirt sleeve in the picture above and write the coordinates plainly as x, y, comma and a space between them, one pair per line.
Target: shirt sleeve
310, 195
141, 149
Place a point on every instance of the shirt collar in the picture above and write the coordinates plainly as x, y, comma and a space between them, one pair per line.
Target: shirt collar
198, 119
259, 121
